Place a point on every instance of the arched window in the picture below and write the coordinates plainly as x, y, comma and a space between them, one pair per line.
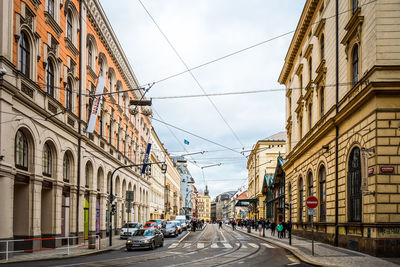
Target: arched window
66, 168
90, 54
24, 55
50, 7
69, 25
301, 199
88, 173
68, 95
310, 69
354, 65
47, 160
301, 84
322, 193
50, 78
21, 151
98, 180
354, 185
322, 101
322, 46
108, 183
355, 6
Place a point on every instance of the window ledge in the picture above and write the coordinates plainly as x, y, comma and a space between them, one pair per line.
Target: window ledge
71, 47
50, 20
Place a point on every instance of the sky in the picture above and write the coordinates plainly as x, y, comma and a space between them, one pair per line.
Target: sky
200, 32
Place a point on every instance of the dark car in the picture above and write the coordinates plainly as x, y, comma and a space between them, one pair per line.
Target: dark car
145, 238
170, 230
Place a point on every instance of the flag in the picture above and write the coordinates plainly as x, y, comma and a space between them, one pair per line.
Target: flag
186, 142
96, 103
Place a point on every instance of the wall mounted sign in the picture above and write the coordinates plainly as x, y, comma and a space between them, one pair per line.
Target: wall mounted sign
386, 169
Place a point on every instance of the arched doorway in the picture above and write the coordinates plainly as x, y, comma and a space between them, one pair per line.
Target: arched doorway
354, 186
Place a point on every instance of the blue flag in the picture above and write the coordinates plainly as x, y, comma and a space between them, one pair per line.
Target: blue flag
186, 142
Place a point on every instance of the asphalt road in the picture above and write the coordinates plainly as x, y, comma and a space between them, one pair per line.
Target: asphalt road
209, 247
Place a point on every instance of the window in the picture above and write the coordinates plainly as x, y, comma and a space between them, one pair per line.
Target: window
90, 54
309, 116
50, 7
354, 186
100, 67
50, 78
301, 127
322, 47
68, 95
355, 6
354, 64
24, 55
98, 180
66, 168
301, 199
310, 189
310, 69
322, 101
21, 151
87, 174
301, 84
69, 25
47, 160
322, 194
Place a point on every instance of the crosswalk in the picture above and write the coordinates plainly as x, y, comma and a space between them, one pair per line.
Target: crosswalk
219, 245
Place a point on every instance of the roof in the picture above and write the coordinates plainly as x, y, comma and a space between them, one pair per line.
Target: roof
242, 195
281, 136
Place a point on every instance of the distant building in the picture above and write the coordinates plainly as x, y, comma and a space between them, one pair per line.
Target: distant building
186, 185
204, 206
213, 211
222, 202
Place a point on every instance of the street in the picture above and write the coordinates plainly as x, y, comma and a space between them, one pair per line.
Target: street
209, 247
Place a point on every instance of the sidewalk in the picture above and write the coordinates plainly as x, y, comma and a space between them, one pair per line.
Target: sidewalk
62, 252
325, 254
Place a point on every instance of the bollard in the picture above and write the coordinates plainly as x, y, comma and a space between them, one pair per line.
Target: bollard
248, 229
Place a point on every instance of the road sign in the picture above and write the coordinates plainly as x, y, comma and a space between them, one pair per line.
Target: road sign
312, 202
312, 212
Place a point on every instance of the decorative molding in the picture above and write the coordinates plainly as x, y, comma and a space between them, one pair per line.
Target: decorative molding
320, 27
71, 47
353, 27
36, 3
299, 69
289, 92
308, 51
321, 72
54, 25
91, 72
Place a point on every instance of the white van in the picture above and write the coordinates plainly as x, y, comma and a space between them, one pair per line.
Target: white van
128, 229
182, 220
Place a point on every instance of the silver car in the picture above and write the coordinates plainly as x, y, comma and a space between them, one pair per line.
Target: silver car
128, 229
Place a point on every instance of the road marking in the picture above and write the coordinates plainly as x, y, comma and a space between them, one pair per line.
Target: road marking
293, 260
214, 245
187, 245
267, 245
173, 245
244, 246
253, 245
223, 235
200, 245
227, 245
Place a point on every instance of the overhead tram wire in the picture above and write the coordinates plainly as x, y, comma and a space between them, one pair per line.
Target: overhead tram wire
191, 73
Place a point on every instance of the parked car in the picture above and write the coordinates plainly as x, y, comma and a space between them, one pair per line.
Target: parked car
128, 229
150, 225
183, 221
145, 238
171, 229
178, 224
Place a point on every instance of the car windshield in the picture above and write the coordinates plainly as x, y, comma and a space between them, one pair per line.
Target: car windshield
144, 233
170, 226
150, 224
177, 223
130, 225
156, 221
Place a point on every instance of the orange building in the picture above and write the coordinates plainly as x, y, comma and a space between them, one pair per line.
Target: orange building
56, 176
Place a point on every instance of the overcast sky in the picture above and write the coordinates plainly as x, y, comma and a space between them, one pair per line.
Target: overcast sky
202, 31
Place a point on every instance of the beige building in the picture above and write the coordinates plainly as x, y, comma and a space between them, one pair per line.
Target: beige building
204, 206
262, 161
342, 121
55, 177
172, 196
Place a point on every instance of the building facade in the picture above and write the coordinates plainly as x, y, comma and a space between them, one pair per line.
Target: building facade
342, 78
213, 214
172, 196
55, 177
262, 161
204, 206
186, 185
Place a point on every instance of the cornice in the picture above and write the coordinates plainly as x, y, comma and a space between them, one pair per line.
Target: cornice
103, 27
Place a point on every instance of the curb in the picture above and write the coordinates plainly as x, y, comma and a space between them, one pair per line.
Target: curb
61, 257
291, 250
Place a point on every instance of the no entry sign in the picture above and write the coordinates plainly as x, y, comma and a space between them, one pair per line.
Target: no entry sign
312, 202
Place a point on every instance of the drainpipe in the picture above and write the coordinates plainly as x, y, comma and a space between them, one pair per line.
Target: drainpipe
336, 241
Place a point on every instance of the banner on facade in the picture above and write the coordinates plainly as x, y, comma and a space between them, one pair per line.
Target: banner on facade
146, 158
364, 170
101, 82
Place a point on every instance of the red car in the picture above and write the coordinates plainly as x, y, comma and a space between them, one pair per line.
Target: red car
150, 225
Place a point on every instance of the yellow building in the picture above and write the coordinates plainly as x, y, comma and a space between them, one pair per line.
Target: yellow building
342, 121
204, 206
262, 161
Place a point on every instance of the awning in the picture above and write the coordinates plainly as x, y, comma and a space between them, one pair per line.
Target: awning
246, 202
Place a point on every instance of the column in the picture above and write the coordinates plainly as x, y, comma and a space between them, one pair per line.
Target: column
103, 216
136, 209
57, 191
92, 213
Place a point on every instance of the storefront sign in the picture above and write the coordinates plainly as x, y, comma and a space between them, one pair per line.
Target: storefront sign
386, 169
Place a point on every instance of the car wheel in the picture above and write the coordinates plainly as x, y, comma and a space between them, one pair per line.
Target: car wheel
153, 245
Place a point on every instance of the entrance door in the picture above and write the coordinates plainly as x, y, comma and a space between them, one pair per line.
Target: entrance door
86, 218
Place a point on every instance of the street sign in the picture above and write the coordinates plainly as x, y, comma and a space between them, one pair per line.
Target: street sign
312, 202
312, 212
146, 158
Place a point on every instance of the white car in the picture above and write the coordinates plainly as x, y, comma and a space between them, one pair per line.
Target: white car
128, 229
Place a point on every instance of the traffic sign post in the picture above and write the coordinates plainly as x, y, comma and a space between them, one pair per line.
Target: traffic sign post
312, 203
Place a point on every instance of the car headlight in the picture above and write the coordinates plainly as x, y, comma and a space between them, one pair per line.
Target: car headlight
128, 241
147, 241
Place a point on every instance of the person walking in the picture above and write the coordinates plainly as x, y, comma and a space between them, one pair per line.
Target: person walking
284, 224
233, 225
273, 226
220, 224
280, 230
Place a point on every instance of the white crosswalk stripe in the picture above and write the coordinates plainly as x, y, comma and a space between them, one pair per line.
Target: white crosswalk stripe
187, 245
253, 245
244, 246
227, 245
214, 245
173, 245
267, 245
200, 245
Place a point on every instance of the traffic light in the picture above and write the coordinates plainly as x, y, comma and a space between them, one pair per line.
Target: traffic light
113, 209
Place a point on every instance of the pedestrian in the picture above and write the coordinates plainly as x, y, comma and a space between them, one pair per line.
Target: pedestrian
280, 230
284, 229
233, 225
273, 226
267, 224
194, 226
220, 224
